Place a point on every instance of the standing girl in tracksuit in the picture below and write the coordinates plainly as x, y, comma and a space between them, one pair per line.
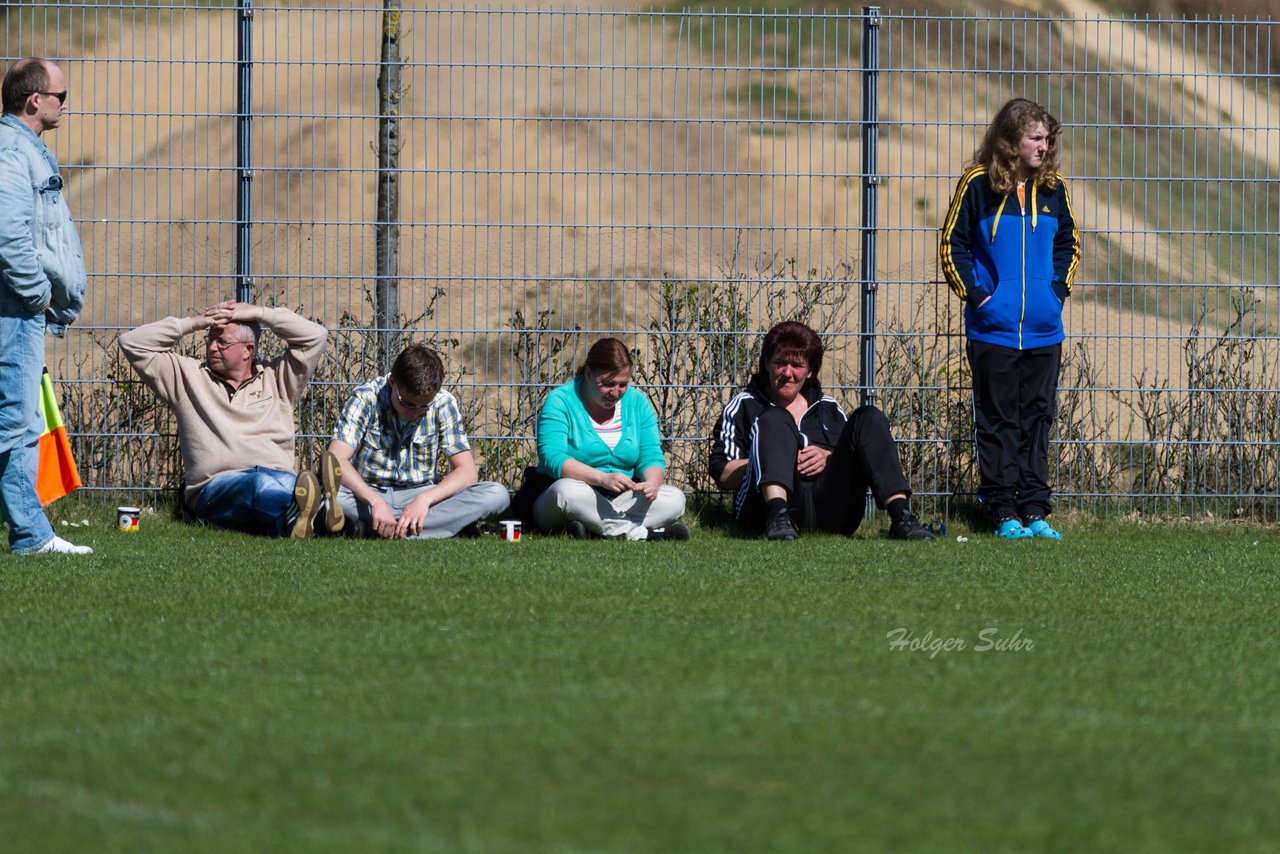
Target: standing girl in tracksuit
1010, 249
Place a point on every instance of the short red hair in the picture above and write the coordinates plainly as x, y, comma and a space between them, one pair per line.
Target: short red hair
792, 338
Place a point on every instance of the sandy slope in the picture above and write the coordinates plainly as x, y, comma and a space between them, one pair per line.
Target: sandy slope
538, 164
572, 183
1126, 347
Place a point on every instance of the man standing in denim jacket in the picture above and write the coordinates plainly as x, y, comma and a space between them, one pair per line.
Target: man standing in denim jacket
42, 284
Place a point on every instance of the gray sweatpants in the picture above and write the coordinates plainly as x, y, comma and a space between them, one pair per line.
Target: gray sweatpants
470, 504
628, 515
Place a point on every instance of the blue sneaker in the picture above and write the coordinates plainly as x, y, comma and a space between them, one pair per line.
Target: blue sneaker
1040, 528
1012, 529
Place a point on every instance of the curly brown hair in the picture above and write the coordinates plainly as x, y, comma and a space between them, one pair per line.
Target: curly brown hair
999, 149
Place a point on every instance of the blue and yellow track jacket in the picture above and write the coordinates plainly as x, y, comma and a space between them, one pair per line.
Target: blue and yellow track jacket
1024, 258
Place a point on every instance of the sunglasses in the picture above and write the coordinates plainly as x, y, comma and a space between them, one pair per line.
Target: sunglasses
411, 407
61, 96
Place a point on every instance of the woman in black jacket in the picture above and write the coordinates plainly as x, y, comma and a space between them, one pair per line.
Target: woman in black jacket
795, 460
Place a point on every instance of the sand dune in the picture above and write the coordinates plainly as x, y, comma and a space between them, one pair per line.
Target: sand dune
563, 163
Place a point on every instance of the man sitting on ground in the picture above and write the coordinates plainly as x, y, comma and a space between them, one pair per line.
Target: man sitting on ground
388, 442
235, 416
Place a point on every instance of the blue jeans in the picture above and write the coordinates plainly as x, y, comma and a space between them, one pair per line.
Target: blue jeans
257, 501
21, 423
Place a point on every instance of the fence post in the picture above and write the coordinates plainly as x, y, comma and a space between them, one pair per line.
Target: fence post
870, 179
244, 151
387, 294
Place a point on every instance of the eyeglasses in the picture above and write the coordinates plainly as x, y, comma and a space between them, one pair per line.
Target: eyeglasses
412, 407
61, 96
222, 345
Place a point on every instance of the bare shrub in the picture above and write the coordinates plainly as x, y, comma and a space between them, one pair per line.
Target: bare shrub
703, 342
1214, 441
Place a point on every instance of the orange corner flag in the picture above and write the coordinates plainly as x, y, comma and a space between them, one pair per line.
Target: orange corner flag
57, 475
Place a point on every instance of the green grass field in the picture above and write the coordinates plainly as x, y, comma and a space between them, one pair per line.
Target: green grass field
185, 689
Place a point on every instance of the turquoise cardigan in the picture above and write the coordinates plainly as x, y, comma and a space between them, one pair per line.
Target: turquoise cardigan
565, 433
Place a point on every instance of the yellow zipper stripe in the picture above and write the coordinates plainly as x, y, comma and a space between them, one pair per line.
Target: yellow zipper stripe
996, 222
1023, 316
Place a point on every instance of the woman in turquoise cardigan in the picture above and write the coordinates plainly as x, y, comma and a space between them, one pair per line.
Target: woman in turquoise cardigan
598, 438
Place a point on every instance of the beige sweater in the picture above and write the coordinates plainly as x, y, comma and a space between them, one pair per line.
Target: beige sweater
220, 430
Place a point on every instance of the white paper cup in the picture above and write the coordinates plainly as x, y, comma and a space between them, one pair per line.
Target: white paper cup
509, 530
127, 519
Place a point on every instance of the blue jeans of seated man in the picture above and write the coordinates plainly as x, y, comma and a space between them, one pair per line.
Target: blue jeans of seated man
256, 501
21, 423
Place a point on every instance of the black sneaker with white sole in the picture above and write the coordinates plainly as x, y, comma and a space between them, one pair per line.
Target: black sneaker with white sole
670, 532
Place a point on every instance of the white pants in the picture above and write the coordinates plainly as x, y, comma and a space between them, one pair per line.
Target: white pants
628, 515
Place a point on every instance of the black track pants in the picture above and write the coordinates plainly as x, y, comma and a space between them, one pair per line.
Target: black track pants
1015, 398
865, 457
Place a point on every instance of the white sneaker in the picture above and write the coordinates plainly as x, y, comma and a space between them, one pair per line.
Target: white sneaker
59, 546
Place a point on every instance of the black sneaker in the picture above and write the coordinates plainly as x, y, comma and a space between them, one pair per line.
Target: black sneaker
576, 530
908, 527
671, 532
780, 527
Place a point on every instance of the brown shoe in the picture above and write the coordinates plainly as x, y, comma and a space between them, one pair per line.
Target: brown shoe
330, 480
306, 497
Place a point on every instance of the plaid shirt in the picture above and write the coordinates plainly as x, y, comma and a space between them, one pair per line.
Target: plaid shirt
392, 452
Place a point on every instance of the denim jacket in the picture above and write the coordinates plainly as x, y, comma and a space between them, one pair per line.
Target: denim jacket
41, 261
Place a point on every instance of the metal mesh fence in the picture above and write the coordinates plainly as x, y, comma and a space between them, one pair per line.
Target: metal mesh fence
680, 178
1168, 397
